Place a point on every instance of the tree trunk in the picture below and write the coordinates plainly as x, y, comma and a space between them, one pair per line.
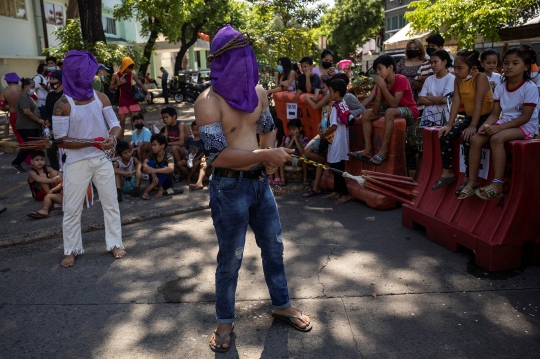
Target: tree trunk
186, 44
72, 11
91, 25
147, 54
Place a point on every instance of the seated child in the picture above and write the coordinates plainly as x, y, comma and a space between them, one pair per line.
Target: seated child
140, 139
177, 134
308, 81
489, 59
159, 164
280, 140
393, 99
127, 170
204, 170
339, 146
471, 88
45, 185
297, 141
194, 153
514, 117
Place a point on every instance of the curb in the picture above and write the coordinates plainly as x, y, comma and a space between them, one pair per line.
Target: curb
40, 236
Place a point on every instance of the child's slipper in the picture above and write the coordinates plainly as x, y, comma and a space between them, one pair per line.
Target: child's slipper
287, 319
311, 193
443, 181
467, 192
489, 193
460, 188
276, 180
37, 215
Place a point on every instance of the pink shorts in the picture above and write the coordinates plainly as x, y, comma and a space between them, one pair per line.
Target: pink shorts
526, 133
124, 110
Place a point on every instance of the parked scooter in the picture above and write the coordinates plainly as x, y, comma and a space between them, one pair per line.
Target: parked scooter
192, 91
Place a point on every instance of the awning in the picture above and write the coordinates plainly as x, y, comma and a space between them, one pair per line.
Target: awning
399, 39
528, 30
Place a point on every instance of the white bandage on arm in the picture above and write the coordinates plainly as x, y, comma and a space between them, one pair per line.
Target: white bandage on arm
60, 126
110, 117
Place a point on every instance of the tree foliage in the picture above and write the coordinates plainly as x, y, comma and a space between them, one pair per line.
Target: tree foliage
70, 38
464, 20
350, 23
306, 13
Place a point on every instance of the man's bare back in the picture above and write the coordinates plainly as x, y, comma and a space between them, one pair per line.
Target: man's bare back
10, 94
239, 127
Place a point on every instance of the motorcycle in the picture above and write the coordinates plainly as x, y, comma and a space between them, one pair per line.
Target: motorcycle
182, 89
192, 91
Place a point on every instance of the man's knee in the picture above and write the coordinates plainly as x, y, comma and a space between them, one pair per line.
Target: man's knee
391, 114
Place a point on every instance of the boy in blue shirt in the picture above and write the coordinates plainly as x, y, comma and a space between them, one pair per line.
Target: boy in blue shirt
140, 139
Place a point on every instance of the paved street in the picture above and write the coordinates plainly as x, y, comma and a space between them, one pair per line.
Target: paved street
372, 288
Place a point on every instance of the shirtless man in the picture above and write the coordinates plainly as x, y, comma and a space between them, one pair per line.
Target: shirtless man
229, 115
9, 96
79, 114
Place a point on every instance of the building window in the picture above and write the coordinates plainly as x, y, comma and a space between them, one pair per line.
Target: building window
54, 14
109, 25
13, 8
395, 23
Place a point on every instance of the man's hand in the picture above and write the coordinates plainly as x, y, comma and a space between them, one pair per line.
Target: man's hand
107, 144
278, 156
379, 81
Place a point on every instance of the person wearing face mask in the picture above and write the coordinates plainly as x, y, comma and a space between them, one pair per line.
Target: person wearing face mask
51, 63
97, 83
42, 86
434, 43
285, 77
408, 66
28, 124
325, 69
55, 81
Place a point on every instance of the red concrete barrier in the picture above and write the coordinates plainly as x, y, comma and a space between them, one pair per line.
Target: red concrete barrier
497, 230
395, 163
310, 118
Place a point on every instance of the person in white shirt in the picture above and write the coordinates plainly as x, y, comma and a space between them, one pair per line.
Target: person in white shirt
489, 59
435, 88
514, 117
42, 87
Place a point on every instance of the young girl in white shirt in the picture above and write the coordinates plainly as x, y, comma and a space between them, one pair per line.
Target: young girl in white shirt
489, 59
435, 88
514, 117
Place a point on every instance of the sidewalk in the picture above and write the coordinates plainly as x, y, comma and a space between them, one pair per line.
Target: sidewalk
372, 288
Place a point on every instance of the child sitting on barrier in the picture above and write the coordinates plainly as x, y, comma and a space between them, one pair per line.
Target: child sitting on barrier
338, 145
514, 117
191, 165
177, 134
308, 81
393, 99
471, 87
127, 170
159, 164
45, 185
489, 59
297, 141
432, 94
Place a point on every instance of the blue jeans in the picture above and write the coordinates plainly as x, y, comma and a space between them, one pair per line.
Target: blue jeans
164, 180
235, 203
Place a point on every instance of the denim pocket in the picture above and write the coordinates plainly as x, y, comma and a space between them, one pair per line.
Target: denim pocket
228, 184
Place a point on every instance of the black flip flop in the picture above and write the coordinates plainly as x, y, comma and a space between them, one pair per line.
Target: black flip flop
443, 181
222, 350
287, 319
378, 158
311, 193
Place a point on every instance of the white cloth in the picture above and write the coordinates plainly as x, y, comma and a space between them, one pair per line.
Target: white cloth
41, 92
76, 178
436, 87
84, 122
512, 103
495, 78
337, 151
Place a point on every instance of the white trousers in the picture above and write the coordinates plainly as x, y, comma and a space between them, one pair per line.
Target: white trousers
77, 176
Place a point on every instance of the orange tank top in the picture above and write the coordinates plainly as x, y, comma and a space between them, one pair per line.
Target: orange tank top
468, 95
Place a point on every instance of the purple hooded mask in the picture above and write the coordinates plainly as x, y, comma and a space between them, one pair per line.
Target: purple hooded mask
78, 72
12, 78
234, 73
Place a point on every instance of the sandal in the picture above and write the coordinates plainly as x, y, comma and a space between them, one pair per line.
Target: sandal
467, 192
221, 349
377, 158
489, 193
358, 156
443, 181
460, 188
37, 215
287, 319
311, 193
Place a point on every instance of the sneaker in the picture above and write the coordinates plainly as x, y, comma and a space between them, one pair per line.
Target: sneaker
19, 168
